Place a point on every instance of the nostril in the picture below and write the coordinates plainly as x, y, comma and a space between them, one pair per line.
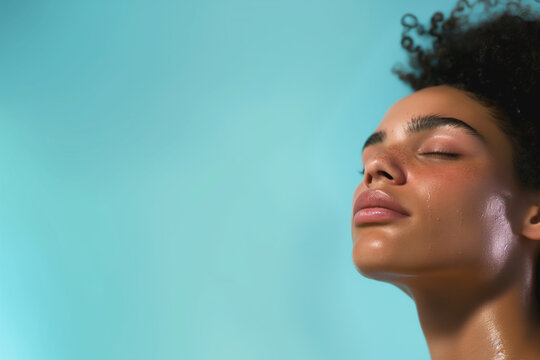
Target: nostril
386, 175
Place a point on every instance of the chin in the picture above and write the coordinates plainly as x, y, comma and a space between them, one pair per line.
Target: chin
374, 267
382, 264
376, 271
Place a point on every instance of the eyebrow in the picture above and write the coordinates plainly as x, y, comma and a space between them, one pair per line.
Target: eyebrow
421, 123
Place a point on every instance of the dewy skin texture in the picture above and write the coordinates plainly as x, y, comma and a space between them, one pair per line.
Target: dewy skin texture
466, 251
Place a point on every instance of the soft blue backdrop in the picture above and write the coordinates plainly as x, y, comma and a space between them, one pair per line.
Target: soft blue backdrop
176, 179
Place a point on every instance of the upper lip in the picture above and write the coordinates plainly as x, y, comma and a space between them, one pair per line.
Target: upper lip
377, 198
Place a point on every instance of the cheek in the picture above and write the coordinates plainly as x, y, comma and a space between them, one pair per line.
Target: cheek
464, 186
452, 191
465, 213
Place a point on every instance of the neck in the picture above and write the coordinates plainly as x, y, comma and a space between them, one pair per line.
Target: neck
502, 325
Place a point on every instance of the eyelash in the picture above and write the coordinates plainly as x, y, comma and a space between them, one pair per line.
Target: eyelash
436, 153
442, 154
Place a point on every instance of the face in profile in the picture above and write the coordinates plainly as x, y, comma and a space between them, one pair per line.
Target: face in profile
439, 199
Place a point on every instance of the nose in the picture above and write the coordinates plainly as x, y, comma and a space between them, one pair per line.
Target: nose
384, 167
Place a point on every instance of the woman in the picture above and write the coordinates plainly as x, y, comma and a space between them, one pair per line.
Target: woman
449, 206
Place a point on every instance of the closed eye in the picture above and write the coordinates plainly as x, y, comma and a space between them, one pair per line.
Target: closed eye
432, 153
442, 154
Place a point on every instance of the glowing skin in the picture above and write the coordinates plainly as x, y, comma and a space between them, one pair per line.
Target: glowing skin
466, 253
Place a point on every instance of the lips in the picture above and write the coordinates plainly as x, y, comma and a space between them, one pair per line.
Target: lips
377, 206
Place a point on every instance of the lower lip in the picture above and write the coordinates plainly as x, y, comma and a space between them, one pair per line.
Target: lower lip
376, 215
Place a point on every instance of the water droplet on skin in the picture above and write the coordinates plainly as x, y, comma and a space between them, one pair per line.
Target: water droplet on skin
428, 204
460, 215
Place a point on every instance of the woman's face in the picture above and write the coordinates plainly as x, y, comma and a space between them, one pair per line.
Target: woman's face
463, 205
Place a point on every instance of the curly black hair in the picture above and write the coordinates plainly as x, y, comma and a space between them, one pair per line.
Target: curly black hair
496, 61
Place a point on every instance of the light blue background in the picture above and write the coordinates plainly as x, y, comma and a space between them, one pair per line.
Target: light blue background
176, 179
